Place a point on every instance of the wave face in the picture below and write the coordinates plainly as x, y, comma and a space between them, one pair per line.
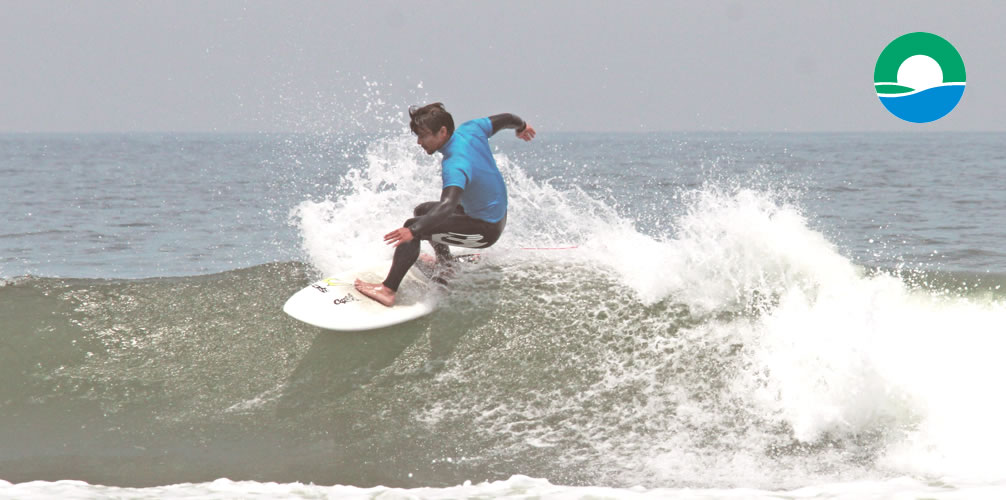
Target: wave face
731, 344
924, 106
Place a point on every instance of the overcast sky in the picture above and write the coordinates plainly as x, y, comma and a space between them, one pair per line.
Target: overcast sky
565, 66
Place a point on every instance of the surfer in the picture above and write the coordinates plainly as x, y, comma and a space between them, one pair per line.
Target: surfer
472, 209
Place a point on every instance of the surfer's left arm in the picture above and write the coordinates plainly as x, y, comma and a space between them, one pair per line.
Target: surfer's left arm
510, 120
449, 199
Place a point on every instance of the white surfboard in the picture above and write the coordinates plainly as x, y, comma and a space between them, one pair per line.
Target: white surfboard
334, 304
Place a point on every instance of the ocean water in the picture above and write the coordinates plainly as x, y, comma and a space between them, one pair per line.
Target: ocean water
666, 316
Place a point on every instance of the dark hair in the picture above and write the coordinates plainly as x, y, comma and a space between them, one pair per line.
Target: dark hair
430, 117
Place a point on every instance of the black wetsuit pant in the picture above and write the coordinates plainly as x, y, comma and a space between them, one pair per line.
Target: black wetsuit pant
458, 230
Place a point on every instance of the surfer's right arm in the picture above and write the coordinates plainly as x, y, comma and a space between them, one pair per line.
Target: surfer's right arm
510, 120
449, 199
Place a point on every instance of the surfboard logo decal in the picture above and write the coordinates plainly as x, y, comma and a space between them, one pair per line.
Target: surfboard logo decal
348, 298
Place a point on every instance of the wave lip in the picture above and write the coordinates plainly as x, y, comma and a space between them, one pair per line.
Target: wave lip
921, 106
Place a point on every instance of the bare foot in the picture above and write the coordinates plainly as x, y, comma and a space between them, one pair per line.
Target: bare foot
376, 291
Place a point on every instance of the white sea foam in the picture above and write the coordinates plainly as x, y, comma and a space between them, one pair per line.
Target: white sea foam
832, 352
347, 230
840, 353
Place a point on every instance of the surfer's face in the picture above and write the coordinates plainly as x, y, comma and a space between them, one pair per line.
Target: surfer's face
431, 141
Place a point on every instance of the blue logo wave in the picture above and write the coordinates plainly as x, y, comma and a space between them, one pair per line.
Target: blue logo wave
925, 106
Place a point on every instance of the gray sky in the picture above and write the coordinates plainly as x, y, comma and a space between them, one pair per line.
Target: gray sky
564, 66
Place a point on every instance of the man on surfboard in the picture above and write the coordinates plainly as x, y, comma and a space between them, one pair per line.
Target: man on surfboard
472, 209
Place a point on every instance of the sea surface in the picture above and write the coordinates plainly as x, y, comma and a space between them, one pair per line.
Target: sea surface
667, 315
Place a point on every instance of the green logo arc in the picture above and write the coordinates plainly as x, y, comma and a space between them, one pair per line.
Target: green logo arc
919, 43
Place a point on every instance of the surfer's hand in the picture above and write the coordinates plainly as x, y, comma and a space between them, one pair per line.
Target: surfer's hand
527, 134
399, 236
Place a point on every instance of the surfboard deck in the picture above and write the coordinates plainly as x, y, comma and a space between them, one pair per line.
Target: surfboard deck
334, 304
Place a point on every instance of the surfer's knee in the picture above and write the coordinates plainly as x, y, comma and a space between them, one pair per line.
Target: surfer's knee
410, 249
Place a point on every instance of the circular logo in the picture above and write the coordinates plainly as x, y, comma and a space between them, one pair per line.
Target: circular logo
919, 77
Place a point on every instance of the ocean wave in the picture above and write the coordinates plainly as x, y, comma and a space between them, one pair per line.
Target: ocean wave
736, 346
